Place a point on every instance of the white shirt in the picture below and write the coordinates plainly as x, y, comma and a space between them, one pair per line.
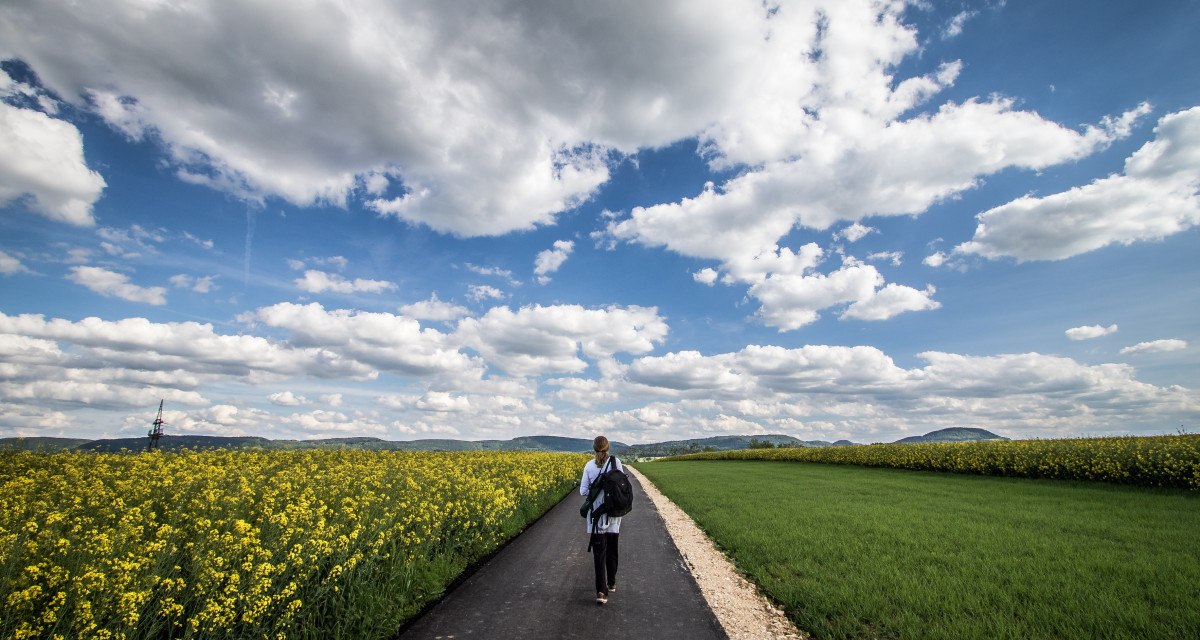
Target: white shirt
591, 472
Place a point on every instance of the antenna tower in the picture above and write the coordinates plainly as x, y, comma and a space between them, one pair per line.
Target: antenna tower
157, 431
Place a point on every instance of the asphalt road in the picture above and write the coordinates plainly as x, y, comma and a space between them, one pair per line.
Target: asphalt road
540, 586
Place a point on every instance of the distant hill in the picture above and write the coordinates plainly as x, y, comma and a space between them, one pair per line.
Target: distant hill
721, 443
175, 443
44, 444
524, 443
953, 434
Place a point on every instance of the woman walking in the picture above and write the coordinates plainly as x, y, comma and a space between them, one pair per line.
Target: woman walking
602, 529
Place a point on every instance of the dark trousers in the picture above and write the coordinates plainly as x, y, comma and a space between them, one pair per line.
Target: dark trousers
604, 555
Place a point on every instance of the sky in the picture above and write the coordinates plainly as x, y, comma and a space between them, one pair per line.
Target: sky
828, 219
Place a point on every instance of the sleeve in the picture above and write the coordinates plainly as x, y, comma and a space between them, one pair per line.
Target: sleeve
583, 482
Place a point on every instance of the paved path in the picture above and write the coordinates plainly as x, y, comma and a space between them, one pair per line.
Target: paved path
540, 586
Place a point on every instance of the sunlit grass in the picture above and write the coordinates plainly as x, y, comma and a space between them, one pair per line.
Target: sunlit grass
1156, 461
854, 552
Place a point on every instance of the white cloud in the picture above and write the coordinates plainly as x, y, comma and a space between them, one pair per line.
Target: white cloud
481, 292
491, 271
319, 282
895, 257
873, 168
1155, 346
201, 242
550, 260
1154, 198
955, 27
42, 157
434, 309
1090, 331
382, 341
791, 299
117, 285
442, 402
517, 124
892, 300
706, 276
855, 232
536, 340
140, 344
935, 259
10, 264
202, 284
333, 399
287, 399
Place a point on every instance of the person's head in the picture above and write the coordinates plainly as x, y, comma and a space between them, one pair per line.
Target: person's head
600, 446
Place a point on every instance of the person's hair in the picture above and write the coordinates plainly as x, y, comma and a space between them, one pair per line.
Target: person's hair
600, 444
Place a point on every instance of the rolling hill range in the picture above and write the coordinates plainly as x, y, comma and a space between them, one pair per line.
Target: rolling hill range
524, 443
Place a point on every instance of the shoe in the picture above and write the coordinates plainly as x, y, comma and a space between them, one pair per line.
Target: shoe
612, 588
601, 597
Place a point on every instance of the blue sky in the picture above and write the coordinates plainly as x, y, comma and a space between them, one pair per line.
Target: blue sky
859, 220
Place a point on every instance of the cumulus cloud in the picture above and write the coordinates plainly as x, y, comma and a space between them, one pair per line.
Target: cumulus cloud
42, 158
434, 309
793, 300
855, 232
383, 341
1155, 346
706, 276
319, 282
536, 340
550, 260
1090, 331
510, 129
287, 399
1155, 197
10, 264
481, 292
519, 122
117, 285
179, 347
892, 300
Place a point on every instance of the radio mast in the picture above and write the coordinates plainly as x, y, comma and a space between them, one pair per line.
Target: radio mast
157, 431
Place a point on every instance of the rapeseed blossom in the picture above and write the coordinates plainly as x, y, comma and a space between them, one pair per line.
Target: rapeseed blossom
245, 543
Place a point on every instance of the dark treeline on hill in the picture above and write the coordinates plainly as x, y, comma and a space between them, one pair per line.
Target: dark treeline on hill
525, 443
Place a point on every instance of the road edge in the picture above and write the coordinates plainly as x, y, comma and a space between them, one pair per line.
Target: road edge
741, 608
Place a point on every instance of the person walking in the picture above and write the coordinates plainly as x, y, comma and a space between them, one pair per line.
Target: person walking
603, 530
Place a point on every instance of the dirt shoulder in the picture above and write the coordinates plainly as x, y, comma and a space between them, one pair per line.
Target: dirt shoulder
742, 610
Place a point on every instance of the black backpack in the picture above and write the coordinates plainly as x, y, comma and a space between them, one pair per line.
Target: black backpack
618, 493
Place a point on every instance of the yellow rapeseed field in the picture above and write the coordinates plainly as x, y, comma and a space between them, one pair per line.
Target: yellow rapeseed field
314, 543
1160, 461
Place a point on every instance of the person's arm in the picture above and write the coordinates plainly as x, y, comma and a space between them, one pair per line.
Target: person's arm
584, 483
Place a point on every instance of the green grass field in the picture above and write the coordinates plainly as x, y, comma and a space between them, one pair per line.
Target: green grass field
855, 552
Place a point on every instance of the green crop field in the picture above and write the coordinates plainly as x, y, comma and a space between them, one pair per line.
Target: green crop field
856, 552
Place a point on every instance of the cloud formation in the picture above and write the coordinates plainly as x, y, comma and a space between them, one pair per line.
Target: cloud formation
117, 285
1155, 197
550, 260
1156, 346
319, 282
1091, 331
42, 158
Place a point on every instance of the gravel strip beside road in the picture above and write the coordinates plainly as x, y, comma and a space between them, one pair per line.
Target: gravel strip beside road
742, 610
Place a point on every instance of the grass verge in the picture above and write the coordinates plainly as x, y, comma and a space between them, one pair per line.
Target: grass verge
853, 552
